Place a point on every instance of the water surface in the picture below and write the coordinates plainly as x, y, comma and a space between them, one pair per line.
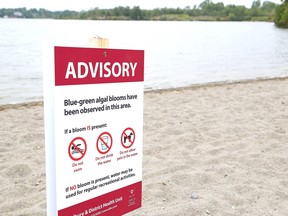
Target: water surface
176, 53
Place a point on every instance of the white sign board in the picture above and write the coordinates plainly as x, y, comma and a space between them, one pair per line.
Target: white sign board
93, 130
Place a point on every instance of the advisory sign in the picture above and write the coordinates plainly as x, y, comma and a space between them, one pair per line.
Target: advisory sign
93, 130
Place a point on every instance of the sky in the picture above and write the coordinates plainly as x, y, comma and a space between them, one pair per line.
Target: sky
79, 5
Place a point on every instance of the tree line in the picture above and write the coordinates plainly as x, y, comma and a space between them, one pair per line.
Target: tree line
281, 14
206, 11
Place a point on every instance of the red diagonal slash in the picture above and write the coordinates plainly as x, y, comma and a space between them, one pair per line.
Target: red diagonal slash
106, 144
127, 137
78, 149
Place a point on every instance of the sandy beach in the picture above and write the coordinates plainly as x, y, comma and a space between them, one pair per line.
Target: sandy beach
218, 149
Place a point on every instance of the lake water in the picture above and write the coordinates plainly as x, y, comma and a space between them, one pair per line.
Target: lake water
176, 53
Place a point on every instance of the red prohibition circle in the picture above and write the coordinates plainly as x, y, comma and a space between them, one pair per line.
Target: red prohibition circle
77, 149
104, 142
125, 137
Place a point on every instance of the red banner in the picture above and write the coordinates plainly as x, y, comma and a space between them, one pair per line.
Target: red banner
75, 66
117, 202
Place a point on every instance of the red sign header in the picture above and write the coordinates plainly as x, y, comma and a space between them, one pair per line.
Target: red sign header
76, 66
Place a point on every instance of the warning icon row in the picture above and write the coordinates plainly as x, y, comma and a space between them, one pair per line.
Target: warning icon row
78, 146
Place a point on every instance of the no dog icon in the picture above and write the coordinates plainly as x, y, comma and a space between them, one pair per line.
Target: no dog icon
128, 138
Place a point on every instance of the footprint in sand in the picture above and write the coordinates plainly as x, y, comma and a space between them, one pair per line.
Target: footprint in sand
19, 170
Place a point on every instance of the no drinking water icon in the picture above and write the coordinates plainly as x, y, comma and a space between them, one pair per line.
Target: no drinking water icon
104, 143
77, 148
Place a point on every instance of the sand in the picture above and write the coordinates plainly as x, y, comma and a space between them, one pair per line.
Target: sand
218, 149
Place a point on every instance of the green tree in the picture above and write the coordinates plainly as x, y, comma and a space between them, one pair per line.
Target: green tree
256, 4
281, 15
268, 9
136, 13
236, 13
255, 8
207, 10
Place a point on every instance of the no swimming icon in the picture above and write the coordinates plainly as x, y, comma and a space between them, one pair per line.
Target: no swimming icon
77, 148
